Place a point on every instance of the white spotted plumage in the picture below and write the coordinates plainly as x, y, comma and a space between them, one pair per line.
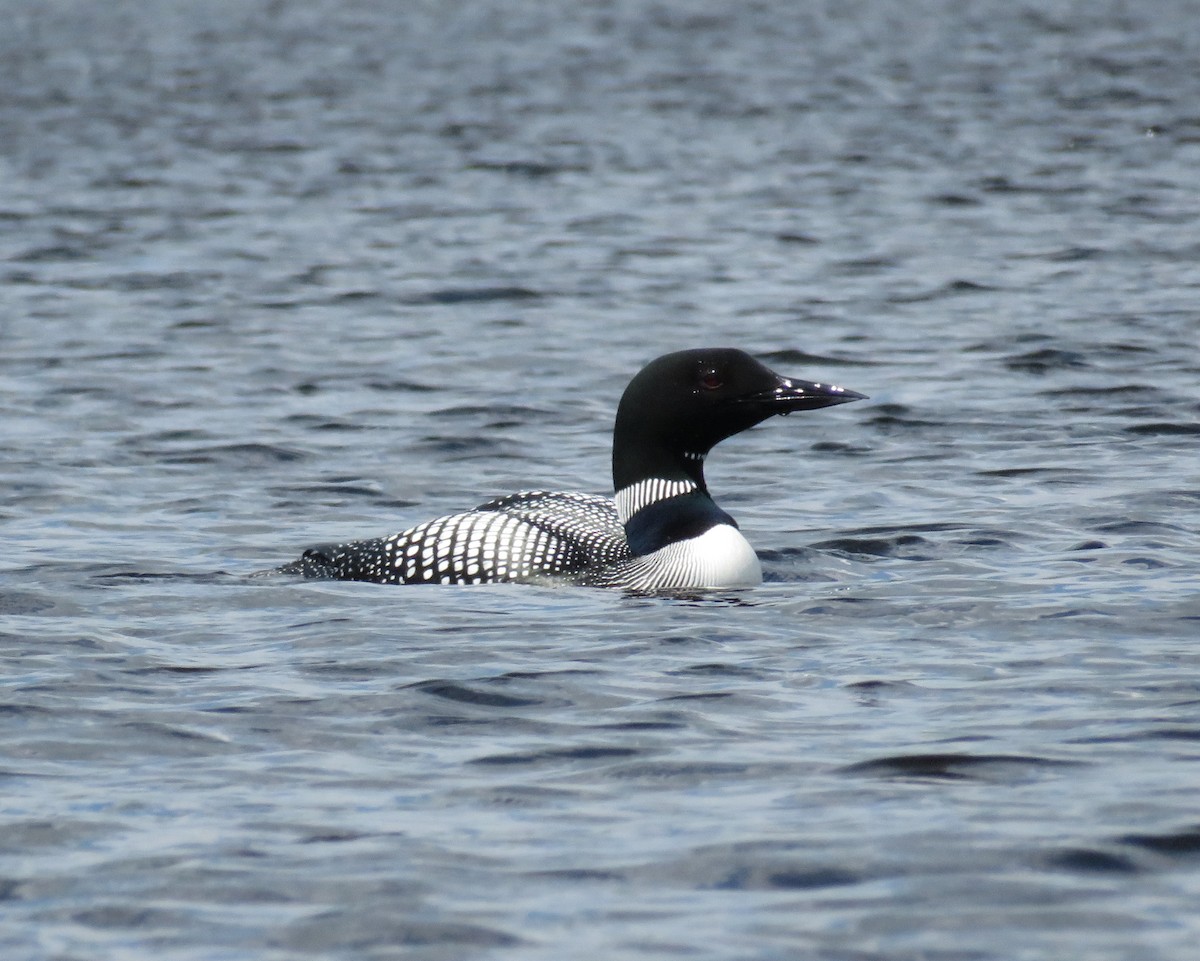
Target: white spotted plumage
524, 536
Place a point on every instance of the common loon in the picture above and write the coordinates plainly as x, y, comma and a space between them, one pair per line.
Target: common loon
662, 530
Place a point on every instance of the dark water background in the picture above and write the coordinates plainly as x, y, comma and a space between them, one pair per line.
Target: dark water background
275, 273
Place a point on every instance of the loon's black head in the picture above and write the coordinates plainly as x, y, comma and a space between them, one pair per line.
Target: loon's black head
679, 406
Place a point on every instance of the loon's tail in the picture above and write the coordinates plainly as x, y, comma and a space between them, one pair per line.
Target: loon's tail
316, 563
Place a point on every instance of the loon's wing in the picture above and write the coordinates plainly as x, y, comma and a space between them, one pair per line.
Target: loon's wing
524, 536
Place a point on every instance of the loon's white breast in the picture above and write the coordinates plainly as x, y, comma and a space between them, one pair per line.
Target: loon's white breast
719, 558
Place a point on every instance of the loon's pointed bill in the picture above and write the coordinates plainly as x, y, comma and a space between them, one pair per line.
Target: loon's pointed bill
792, 394
660, 531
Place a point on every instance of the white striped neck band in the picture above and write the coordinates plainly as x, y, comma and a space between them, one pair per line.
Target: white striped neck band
633, 498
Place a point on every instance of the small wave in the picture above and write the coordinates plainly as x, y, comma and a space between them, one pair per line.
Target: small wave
953, 767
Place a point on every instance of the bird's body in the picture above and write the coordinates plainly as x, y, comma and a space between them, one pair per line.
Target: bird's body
661, 531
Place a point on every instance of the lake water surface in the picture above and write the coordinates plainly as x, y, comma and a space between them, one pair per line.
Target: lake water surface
280, 273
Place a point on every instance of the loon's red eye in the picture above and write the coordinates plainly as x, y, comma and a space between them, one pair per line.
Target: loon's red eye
711, 380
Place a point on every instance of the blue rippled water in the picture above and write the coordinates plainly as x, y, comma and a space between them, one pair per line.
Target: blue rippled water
275, 274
